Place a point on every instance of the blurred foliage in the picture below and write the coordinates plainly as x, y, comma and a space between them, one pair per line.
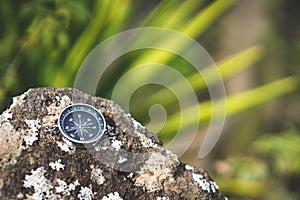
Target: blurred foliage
270, 169
43, 43
283, 150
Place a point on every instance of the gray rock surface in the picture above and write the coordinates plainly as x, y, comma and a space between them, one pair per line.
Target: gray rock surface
38, 162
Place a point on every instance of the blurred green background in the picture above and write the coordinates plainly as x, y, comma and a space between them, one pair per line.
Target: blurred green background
255, 44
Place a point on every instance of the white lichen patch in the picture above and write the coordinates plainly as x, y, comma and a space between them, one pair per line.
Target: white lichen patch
121, 160
19, 100
103, 145
189, 168
34, 125
85, 193
112, 196
64, 188
55, 109
20, 196
157, 169
60, 103
57, 165
30, 139
209, 186
136, 124
97, 147
214, 186
130, 175
97, 175
31, 135
110, 130
101, 148
172, 156
66, 146
116, 144
10, 139
5, 116
162, 198
41, 185
146, 142
73, 185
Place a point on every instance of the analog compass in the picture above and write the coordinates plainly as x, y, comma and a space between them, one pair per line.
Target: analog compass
81, 123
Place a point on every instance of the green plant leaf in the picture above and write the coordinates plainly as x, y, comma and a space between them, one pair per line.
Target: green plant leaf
83, 45
227, 68
172, 14
192, 28
235, 103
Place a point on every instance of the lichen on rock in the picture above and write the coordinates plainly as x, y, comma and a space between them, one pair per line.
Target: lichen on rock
158, 168
128, 162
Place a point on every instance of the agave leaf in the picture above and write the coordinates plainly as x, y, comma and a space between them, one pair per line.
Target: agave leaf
200, 23
171, 14
228, 67
192, 28
235, 103
208, 16
83, 44
163, 9
121, 13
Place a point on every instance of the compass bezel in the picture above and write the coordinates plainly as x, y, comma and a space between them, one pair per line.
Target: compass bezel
87, 110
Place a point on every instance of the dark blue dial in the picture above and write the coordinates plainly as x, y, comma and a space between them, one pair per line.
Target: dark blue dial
81, 123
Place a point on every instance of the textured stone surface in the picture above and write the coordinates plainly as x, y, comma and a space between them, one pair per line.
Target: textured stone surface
37, 162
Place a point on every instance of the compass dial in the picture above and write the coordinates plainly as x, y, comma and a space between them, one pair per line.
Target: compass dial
81, 123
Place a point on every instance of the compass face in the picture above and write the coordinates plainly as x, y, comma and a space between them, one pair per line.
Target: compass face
81, 123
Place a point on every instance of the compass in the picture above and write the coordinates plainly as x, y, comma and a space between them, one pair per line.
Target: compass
81, 123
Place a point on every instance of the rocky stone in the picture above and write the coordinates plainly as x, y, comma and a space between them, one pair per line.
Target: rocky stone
128, 162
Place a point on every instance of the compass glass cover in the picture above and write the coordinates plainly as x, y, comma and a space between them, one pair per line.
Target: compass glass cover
81, 123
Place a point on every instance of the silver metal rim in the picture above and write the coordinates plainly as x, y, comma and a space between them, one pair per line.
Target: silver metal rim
99, 133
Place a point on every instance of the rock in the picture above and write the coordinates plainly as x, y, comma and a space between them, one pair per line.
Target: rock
128, 162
